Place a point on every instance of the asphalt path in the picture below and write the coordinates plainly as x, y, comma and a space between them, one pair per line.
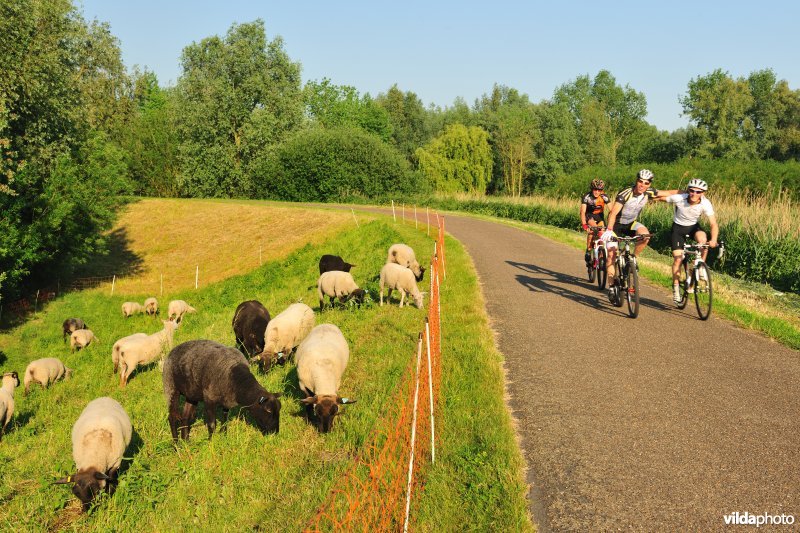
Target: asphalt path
663, 422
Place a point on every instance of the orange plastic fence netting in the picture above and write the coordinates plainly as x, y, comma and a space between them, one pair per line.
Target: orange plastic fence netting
377, 492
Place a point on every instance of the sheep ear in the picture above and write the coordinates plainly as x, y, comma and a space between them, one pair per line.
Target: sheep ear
63, 480
311, 400
101, 475
344, 400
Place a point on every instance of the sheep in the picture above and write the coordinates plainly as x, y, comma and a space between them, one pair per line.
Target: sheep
118, 346
249, 325
151, 306
402, 254
45, 371
10, 382
144, 350
131, 308
328, 262
81, 338
321, 360
219, 376
100, 437
72, 324
394, 276
338, 284
178, 308
285, 332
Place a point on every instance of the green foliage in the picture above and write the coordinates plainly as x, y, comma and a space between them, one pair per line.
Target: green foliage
459, 160
332, 164
331, 105
410, 122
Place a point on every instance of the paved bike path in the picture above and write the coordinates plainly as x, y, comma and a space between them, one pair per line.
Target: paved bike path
663, 422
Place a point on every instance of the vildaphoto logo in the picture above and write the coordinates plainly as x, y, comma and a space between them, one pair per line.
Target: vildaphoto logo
758, 520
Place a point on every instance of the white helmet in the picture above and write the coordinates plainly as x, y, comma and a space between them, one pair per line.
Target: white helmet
644, 174
696, 183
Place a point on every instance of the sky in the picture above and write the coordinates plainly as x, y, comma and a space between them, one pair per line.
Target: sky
442, 50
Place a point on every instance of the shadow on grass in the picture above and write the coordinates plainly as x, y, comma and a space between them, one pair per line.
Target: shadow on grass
120, 259
3, 357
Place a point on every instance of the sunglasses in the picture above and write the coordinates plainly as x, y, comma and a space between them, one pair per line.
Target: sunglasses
695, 191
646, 182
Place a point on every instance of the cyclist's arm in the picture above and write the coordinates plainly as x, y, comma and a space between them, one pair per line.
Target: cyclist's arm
616, 207
661, 196
712, 220
583, 215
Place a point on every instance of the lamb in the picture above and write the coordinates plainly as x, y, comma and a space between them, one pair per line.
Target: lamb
178, 308
118, 346
321, 360
72, 324
81, 338
328, 262
402, 254
285, 332
338, 284
219, 376
151, 306
394, 276
45, 371
131, 308
249, 325
144, 350
100, 437
10, 382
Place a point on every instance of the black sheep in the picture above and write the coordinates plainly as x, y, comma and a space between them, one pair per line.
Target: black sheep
249, 324
72, 324
329, 262
219, 376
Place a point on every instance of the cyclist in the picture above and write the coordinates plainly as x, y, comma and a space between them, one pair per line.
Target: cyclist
593, 208
689, 207
622, 217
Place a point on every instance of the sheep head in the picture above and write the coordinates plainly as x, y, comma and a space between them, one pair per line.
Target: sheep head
326, 407
87, 484
419, 275
266, 412
12, 378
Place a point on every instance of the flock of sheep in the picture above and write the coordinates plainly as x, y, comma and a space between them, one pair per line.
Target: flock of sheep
212, 373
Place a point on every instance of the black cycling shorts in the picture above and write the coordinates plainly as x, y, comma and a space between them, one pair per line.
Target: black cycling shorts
626, 230
679, 233
597, 218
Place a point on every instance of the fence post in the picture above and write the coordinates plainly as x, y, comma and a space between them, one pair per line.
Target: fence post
404, 212
394, 217
428, 216
430, 387
113, 282
196, 276
416, 224
354, 217
413, 437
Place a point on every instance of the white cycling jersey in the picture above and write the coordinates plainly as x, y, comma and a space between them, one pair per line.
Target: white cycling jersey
687, 214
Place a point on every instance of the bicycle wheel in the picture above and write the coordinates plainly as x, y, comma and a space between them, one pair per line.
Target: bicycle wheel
601, 268
632, 290
619, 286
683, 277
702, 290
591, 271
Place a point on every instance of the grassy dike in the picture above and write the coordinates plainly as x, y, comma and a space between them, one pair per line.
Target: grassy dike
242, 480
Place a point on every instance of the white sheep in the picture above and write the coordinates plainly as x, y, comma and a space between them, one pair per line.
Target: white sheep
81, 338
44, 372
118, 346
151, 306
131, 308
338, 284
394, 276
321, 360
10, 382
178, 308
402, 254
100, 437
144, 350
285, 332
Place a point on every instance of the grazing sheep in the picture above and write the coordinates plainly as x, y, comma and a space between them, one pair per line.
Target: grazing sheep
394, 276
321, 360
402, 254
118, 346
219, 376
144, 350
178, 308
81, 338
45, 371
249, 325
286, 331
328, 262
10, 382
338, 284
100, 437
72, 324
151, 306
131, 308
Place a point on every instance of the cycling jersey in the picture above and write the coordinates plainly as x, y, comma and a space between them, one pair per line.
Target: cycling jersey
595, 207
687, 214
632, 204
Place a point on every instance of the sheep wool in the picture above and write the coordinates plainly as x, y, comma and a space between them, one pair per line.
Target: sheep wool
131, 308
45, 371
287, 330
402, 254
151, 306
336, 284
394, 276
10, 382
81, 338
177, 308
118, 346
144, 350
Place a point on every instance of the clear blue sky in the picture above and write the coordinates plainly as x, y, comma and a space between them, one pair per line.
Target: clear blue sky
444, 49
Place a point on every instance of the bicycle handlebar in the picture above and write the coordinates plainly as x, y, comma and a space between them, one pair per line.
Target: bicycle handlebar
637, 237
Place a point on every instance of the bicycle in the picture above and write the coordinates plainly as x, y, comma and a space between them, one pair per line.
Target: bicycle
695, 277
597, 269
626, 275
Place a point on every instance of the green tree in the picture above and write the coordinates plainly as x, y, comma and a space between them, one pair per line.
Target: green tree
559, 150
458, 160
333, 105
408, 118
516, 135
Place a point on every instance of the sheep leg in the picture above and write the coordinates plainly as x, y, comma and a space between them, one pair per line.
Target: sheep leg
402, 296
224, 425
211, 417
389, 296
111, 484
174, 416
187, 419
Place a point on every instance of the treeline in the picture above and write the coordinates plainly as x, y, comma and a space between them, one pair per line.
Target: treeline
78, 131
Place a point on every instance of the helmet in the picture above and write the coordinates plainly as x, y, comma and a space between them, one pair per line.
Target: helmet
644, 174
598, 184
696, 183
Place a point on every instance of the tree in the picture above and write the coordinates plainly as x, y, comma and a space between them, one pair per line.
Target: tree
459, 160
408, 118
333, 105
517, 133
559, 150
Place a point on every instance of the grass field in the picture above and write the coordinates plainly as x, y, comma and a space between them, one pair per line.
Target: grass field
241, 479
